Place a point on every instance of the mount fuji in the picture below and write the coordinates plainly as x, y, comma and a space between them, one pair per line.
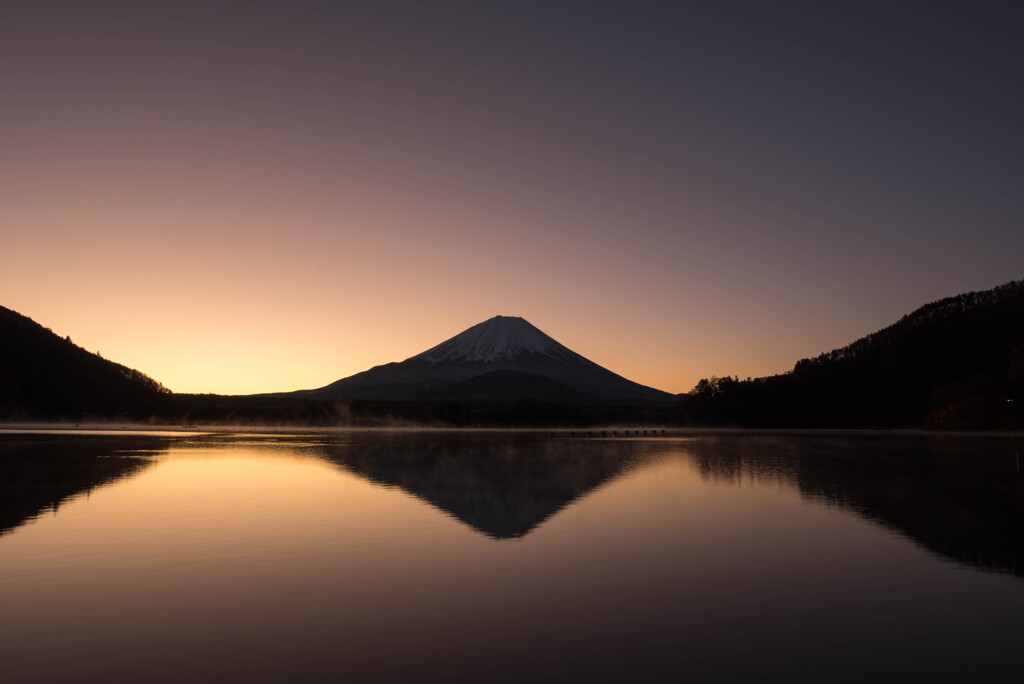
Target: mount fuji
505, 358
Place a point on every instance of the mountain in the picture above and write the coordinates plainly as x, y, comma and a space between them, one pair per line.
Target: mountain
502, 359
957, 363
45, 376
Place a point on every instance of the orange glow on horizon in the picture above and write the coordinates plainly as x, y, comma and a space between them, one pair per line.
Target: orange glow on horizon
279, 199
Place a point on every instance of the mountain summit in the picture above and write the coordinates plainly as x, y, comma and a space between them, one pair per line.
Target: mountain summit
505, 358
497, 339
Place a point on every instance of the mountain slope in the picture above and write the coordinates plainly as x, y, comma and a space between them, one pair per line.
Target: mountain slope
504, 358
954, 363
45, 376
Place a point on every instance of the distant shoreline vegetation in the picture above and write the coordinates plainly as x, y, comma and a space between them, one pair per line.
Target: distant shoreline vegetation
955, 364
198, 410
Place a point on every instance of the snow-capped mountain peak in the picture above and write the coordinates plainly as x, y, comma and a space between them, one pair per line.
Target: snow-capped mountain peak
497, 339
502, 359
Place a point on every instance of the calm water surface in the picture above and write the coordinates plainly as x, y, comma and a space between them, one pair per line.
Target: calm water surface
484, 557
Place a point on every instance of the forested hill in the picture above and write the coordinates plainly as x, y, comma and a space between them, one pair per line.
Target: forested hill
46, 376
957, 363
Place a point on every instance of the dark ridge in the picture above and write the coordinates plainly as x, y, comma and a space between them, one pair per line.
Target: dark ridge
45, 376
954, 364
957, 363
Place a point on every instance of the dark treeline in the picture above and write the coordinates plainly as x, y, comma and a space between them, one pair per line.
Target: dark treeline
45, 376
954, 364
261, 410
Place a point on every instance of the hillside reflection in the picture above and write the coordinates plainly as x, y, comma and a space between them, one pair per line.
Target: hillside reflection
40, 473
503, 488
959, 497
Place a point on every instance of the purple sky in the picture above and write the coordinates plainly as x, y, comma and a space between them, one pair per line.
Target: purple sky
245, 197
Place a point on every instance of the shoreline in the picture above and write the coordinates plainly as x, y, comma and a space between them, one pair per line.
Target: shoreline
630, 431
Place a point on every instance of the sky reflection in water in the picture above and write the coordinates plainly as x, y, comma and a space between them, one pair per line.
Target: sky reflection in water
377, 557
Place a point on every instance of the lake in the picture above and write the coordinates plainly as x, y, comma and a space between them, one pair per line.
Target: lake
475, 556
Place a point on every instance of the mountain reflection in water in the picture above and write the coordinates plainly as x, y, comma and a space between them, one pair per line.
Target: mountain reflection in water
500, 486
39, 473
384, 557
961, 497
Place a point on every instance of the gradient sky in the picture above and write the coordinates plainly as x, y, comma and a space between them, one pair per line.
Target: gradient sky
254, 196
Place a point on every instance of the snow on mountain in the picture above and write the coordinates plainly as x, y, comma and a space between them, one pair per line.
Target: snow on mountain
500, 338
505, 358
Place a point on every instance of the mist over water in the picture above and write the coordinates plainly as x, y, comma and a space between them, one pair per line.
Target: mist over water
376, 556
